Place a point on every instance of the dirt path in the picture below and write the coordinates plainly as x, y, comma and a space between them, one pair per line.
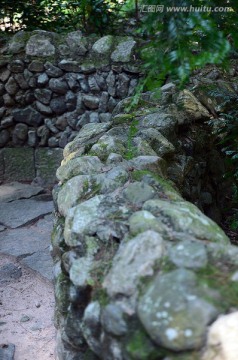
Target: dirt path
26, 289
26, 313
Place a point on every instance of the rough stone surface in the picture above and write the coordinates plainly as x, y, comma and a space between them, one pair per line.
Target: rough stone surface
20, 133
123, 175
11, 86
112, 320
23, 212
174, 313
28, 116
41, 262
19, 165
185, 216
46, 163
67, 196
137, 258
4, 137
42, 80
17, 66
92, 316
137, 193
103, 45
9, 272
36, 66
58, 105
59, 86
188, 254
123, 51
43, 95
62, 75
79, 166
222, 336
7, 351
79, 218
137, 252
158, 142
29, 244
193, 108
39, 45
91, 101
70, 65
77, 43
15, 191
52, 70
43, 109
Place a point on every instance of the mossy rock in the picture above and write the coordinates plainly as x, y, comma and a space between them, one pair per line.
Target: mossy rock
140, 347
62, 285
122, 119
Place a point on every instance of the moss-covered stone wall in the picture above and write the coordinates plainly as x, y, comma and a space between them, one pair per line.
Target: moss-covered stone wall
141, 273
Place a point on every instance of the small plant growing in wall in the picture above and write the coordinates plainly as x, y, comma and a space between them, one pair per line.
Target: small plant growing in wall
131, 150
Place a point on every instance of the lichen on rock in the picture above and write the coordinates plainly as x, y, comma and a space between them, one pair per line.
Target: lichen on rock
150, 270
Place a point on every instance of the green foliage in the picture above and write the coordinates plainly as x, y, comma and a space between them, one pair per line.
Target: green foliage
22, 14
181, 41
131, 150
234, 221
140, 346
90, 16
220, 280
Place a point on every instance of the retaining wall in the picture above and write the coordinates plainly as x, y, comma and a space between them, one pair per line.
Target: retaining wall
51, 85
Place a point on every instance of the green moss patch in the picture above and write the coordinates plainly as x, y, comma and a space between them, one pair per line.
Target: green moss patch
102, 264
140, 347
163, 186
220, 280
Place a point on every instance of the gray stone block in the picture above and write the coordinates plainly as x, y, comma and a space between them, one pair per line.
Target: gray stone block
19, 164
47, 161
21, 212
7, 351
17, 191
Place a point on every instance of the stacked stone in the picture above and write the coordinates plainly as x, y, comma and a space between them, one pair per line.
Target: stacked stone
53, 89
140, 273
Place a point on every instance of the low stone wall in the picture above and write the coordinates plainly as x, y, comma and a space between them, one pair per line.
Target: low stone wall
53, 84
28, 164
140, 273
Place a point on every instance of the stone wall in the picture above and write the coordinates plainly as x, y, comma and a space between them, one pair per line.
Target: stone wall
140, 273
28, 164
53, 84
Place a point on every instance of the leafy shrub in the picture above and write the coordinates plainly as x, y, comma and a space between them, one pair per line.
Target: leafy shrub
90, 16
179, 42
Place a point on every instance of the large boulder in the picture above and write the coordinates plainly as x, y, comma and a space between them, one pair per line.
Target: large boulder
40, 44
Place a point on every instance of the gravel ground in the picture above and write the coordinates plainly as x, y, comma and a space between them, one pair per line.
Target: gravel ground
26, 311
